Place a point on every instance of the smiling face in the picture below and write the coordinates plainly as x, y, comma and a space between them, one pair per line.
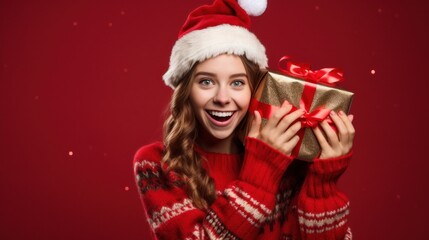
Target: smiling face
220, 95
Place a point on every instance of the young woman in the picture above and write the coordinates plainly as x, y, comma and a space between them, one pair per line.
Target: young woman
201, 182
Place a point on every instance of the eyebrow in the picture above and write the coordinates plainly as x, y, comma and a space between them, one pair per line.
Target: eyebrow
214, 75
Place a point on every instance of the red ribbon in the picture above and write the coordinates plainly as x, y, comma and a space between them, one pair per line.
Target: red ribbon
327, 76
311, 119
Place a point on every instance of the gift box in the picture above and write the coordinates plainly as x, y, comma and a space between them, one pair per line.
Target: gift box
312, 91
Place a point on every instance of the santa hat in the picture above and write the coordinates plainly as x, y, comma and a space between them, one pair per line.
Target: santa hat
211, 30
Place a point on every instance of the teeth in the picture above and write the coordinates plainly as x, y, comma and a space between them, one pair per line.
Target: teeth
221, 114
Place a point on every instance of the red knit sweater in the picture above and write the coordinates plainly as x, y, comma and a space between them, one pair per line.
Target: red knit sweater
262, 194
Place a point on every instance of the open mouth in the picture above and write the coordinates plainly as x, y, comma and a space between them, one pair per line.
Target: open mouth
220, 116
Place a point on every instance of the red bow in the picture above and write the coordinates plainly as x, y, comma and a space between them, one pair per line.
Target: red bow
327, 76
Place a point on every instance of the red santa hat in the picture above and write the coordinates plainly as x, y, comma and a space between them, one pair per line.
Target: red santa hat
211, 30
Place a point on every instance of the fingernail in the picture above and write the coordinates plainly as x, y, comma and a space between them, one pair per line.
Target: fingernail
341, 113
332, 113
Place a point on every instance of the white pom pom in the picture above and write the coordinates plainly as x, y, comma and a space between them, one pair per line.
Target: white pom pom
253, 7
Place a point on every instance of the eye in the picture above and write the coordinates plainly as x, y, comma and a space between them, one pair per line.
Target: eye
238, 83
206, 82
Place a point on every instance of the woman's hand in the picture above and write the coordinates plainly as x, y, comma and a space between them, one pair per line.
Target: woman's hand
333, 144
280, 130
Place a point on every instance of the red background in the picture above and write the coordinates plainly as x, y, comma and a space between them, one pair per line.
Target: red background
81, 90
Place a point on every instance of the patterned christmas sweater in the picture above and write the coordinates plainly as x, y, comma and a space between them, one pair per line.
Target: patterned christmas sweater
261, 194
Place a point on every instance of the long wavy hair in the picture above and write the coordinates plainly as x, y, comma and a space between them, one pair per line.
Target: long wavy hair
180, 133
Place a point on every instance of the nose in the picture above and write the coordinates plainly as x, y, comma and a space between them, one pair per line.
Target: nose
222, 96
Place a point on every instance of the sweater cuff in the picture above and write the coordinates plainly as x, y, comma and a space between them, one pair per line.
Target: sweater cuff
330, 166
263, 165
323, 175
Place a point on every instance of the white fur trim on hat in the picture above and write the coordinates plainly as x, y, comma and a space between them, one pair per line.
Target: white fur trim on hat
253, 7
203, 44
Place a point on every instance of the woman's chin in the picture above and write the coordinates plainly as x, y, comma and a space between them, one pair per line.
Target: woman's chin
221, 135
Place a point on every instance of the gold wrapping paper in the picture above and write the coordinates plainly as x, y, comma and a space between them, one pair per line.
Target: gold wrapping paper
274, 88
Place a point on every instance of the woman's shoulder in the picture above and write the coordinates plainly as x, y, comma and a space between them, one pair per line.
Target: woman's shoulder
150, 153
147, 166
149, 170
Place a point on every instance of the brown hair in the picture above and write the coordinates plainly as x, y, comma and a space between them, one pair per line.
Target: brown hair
180, 132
